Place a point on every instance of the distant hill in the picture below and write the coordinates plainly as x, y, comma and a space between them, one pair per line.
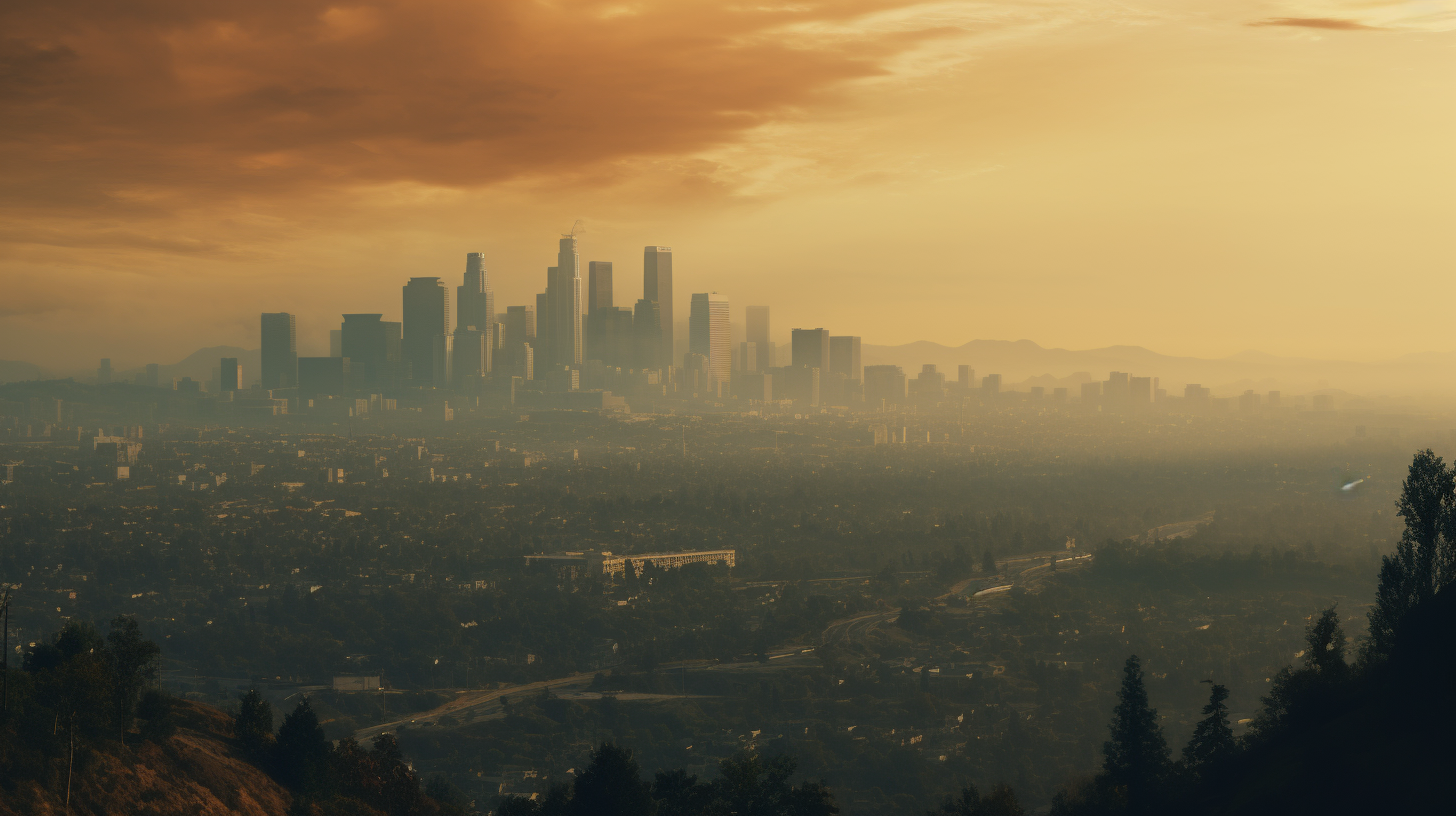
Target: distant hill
198, 771
1432, 373
16, 371
199, 365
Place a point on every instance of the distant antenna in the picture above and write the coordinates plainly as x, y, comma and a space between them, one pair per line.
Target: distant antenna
579, 228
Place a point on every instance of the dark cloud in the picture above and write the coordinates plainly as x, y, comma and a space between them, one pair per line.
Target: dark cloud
154, 105
1316, 22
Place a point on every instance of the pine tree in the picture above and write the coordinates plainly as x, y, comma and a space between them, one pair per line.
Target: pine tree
612, 786
1213, 739
301, 751
1425, 559
1136, 758
253, 724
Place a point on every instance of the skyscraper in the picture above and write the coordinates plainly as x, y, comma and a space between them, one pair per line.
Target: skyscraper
647, 328
757, 330
372, 347
844, 359
598, 286
280, 350
231, 375
884, 385
560, 324
474, 299
426, 316
657, 286
710, 334
519, 326
811, 349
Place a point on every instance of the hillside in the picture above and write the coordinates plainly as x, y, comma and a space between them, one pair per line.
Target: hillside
197, 771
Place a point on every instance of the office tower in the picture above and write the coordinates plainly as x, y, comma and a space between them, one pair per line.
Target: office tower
657, 287
811, 349
710, 334
884, 385
442, 361
748, 357
336, 343
154, 377
757, 386
844, 359
647, 329
103, 372
523, 358
542, 344
991, 383
231, 375
562, 332
426, 316
798, 383
472, 360
1115, 391
279, 350
598, 301
323, 376
757, 332
1140, 390
929, 387
965, 377
520, 326
615, 337
474, 299
598, 286
364, 340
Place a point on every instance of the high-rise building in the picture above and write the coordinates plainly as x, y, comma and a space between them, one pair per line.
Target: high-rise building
472, 361
991, 383
442, 361
426, 316
748, 357
598, 302
616, 339
279, 350
884, 385
372, 346
757, 332
103, 372
811, 349
474, 299
562, 331
519, 326
323, 376
710, 335
598, 286
647, 330
929, 387
844, 357
657, 287
336, 342
965, 377
230, 375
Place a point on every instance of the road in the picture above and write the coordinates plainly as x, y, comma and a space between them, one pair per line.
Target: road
469, 703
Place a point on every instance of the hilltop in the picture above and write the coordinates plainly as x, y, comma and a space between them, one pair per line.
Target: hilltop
198, 770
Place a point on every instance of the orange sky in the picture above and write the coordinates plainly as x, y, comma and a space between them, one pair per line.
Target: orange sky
1198, 178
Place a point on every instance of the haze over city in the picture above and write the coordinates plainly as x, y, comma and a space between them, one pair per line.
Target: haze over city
1256, 175
648, 408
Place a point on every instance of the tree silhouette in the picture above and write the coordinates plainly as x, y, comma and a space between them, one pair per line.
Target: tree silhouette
253, 724
1213, 738
133, 662
1425, 559
1001, 801
1136, 758
301, 751
611, 785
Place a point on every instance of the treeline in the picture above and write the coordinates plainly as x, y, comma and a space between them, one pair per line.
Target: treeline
74, 691
337, 779
1340, 733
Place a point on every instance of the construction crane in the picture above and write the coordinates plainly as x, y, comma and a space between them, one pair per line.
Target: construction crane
578, 228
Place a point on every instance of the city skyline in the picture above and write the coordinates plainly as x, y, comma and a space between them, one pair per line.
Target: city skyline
1269, 175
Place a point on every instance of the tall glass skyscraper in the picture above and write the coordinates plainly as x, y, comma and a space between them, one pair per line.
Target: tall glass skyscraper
475, 300
657, 286
426, 316
280, 350
710, 334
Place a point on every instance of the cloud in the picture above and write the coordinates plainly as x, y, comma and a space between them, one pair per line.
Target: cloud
149, 107
1331, 23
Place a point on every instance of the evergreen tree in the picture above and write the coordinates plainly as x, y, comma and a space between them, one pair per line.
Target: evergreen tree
1425, 559
301, 751
133, 661
1326, 640
1213, 739
253, 724
611, 786
1000, 802
1136, 758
